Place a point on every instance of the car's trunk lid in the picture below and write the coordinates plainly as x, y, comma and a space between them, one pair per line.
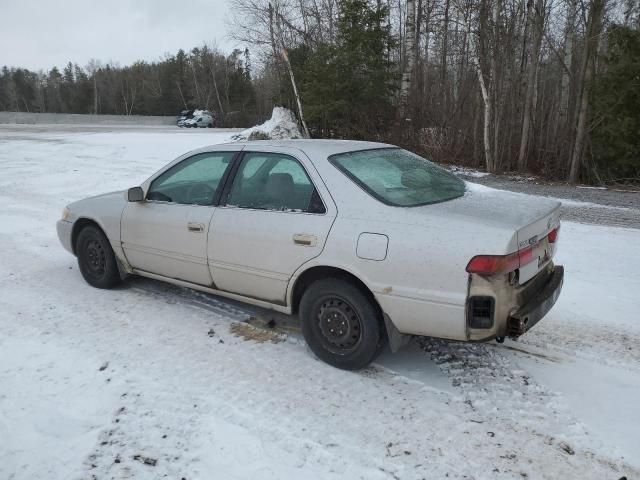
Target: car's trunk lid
525, 219
531, 218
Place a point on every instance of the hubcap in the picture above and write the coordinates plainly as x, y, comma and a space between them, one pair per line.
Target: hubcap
96, 258
339, 323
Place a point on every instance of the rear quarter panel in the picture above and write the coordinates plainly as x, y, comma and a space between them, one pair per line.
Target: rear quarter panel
422, 283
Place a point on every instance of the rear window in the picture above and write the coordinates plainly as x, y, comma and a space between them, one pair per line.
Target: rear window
399, 178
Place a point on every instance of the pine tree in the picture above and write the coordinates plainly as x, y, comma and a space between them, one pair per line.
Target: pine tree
348, 86
615, 136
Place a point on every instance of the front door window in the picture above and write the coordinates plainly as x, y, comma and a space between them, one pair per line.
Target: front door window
194, 181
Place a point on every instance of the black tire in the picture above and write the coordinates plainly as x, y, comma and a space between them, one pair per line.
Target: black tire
96, 259
340, 323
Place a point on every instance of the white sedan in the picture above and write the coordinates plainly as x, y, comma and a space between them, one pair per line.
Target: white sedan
366, 242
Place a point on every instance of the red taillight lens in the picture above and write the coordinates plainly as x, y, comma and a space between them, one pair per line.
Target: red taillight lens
553, 234
492, 264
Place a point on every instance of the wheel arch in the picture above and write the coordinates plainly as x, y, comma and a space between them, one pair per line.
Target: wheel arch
78, 225
318, 272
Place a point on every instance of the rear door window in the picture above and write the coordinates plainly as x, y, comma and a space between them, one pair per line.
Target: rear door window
274, 181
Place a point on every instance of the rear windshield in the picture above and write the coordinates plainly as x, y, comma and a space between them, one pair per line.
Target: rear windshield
399, 178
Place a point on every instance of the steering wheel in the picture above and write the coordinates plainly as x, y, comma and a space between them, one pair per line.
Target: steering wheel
200, 194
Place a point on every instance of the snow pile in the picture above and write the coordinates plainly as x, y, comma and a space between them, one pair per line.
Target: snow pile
467, 172
281, 125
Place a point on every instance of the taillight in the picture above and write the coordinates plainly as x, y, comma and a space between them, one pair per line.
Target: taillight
492, 264
553, 234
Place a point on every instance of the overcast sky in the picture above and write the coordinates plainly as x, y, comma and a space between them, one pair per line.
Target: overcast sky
40, 34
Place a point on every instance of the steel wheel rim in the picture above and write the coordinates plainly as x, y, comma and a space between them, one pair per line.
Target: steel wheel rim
95, 258
339, 324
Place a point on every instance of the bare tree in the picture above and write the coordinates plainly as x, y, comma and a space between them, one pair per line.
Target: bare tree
587, 70
537, 14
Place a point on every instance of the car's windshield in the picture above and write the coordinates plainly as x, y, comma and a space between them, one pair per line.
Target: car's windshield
399, 178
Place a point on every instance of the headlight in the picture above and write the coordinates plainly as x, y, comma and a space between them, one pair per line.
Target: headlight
65, 213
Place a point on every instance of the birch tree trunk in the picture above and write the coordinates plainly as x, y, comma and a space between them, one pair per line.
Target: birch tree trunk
95, 95
410, 58
215, 86
181, 95
475, 52
444, 85
488, 108
274, 17
492, 166
305, 129
569, 40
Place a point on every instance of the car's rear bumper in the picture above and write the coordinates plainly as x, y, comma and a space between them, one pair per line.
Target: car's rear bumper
64, 229
538, 306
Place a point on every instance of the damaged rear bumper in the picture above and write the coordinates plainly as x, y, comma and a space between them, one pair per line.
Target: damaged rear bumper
512, 309
538, 306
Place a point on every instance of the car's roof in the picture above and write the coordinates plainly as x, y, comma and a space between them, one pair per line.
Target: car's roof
318, 147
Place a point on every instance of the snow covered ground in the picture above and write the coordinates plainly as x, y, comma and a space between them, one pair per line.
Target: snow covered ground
151, 381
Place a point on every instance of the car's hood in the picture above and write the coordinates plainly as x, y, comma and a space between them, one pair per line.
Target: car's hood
117, 195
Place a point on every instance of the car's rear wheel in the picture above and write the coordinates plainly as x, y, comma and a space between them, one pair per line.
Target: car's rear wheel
96, 259
340, 323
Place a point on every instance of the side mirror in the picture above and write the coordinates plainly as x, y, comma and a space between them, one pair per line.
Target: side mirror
135, 194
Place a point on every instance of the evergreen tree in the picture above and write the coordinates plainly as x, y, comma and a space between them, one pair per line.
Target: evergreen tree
347, 87
616, 113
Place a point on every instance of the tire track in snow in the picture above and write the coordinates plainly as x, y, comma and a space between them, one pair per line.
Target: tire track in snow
603, 344
497, 391
175, 294
494, 393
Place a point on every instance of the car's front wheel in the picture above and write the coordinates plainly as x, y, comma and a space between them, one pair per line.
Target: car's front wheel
96, 259
340, 323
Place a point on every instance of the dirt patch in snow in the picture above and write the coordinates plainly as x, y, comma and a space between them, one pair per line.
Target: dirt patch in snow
260, 335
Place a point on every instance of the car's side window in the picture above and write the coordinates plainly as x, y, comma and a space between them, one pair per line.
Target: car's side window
274, 181
193, 181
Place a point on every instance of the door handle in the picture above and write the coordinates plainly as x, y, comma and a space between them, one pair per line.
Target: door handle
305, 240
195, 227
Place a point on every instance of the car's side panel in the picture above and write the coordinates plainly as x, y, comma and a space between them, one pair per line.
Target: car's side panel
422, 282
104, 210
254, 253
168, 239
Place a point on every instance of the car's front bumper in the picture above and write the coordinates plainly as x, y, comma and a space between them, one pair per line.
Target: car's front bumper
65, 229
538, 306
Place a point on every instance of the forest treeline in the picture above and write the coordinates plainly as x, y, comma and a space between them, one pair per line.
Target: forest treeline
544, 86
201, 78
